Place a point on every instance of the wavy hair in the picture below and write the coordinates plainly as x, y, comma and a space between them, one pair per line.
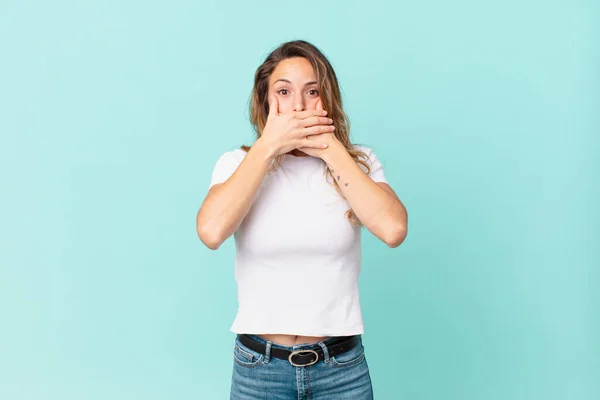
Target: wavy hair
329, 92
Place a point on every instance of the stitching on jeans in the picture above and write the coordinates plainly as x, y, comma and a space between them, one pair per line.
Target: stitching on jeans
247, 364
298, 383
250, 356
307, 370
348, 363
357, 360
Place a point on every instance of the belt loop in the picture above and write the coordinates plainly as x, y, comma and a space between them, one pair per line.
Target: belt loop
268, 352
325, 352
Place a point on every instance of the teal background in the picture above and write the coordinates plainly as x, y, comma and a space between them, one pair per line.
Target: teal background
485, 116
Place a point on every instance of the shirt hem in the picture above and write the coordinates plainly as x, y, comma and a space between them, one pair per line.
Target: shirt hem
342, 332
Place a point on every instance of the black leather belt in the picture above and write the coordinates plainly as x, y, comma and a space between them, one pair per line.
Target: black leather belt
303, 357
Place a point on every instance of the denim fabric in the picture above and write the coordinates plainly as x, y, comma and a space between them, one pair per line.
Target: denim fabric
260, 376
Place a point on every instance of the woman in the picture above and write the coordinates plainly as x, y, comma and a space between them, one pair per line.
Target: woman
295, 202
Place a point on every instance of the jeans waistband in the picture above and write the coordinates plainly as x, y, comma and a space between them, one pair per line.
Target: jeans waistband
297, 346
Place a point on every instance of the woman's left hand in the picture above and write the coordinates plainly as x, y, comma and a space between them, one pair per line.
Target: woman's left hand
329, 138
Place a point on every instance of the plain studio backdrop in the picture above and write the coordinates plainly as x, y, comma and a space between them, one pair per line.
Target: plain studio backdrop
485, 116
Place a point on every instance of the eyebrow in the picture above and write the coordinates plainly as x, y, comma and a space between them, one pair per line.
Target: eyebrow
285, 80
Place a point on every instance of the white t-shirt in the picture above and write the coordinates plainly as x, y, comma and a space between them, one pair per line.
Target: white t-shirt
298, 256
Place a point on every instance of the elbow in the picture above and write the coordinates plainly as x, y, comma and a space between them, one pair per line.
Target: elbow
395, 238
208, 233
211, 244
209, 238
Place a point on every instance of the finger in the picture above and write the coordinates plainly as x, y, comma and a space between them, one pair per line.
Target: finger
316, 130
310, 113
315, 136
311, 121
311, 143
273, 106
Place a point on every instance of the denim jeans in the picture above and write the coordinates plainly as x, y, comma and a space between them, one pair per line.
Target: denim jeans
260, 376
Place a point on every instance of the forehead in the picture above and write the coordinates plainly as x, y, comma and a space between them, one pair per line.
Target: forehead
296, 69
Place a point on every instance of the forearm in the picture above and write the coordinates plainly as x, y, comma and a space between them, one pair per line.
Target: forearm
226, 205
381, 212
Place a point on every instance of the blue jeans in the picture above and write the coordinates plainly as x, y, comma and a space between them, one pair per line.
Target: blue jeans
260, 376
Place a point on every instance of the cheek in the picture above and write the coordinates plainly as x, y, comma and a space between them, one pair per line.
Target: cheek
285, 104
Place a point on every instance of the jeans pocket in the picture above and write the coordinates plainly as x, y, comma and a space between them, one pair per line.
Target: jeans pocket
245, 356
352, 357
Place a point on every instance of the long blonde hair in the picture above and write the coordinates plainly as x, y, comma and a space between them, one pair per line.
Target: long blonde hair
329, 92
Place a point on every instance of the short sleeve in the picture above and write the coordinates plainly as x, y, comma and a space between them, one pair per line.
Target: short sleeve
376, 173
226, 166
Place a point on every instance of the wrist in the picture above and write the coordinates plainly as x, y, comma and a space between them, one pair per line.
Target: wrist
334, 152
263, 148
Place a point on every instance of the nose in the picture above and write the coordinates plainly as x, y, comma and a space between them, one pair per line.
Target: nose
299, 102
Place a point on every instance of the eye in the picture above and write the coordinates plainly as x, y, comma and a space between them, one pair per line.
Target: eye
315, 92
282, 90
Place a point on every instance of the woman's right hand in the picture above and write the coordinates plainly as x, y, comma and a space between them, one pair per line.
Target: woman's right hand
286, 132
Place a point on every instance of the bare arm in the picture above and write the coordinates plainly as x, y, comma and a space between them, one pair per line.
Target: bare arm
227, 203
374, 203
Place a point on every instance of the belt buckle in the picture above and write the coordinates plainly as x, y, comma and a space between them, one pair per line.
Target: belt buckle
301, 351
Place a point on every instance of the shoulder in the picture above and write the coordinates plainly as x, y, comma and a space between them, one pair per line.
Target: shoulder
234, 156
367, 151
229, 160
375, 167
363, 148
226, 165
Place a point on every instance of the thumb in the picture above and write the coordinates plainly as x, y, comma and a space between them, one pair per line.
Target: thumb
320, 104
273, 106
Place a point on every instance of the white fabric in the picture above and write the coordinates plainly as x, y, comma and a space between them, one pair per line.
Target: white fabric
298, 257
